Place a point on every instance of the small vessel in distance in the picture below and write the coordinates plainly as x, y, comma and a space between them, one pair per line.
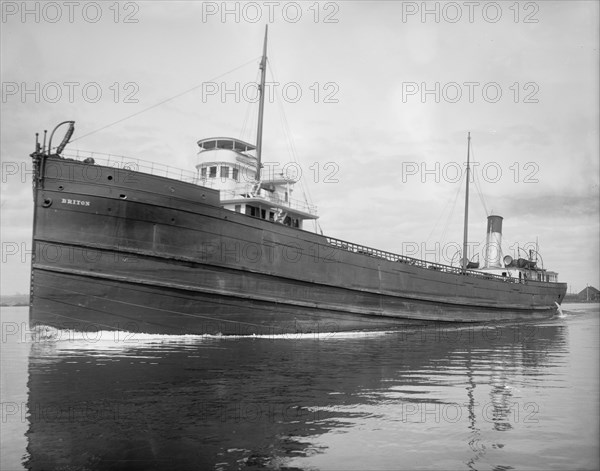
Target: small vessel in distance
130, 245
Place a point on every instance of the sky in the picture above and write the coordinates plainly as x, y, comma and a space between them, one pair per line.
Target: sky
373, 100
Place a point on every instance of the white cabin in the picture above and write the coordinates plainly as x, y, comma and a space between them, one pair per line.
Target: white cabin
228, 165
523, 274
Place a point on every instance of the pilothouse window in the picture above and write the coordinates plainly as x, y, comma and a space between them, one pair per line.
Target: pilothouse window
251, 210
224, 171
213, 172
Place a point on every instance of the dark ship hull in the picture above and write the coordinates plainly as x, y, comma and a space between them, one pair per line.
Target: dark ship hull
121, 249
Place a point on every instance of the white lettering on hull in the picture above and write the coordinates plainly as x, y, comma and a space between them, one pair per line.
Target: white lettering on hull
75, 202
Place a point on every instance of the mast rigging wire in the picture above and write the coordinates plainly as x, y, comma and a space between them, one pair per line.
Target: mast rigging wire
291, 145
164, 101
449, 218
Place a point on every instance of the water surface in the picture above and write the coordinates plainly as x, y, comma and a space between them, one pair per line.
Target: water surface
485, 397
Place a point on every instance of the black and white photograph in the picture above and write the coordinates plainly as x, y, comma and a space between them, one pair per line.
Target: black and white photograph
300, 235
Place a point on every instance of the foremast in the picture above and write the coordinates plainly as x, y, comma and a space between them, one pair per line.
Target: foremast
227, 165
261, 109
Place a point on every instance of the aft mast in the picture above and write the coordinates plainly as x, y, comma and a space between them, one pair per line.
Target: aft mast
465, 260
261, 108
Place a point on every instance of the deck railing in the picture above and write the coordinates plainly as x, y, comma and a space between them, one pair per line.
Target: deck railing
392, 257
134, 164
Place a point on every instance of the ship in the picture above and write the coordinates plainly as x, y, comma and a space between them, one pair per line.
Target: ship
123, 244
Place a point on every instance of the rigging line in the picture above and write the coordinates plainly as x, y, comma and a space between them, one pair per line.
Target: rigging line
451, 215
453, 208
294, 154
282, 117
245, 127
458, 189
163, 101
287, 131
292, 147
482, 199
443, 212
477, 186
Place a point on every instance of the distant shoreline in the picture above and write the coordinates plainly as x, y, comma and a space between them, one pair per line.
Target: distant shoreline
14, 300
579, 301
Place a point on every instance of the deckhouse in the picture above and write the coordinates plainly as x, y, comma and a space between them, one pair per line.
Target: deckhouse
523, 268
230, 166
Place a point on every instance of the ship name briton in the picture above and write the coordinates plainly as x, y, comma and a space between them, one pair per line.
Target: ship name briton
78, 202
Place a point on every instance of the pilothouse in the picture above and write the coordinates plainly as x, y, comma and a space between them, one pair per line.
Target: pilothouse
228, 165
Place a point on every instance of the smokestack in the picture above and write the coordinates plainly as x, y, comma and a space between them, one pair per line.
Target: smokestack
493, 253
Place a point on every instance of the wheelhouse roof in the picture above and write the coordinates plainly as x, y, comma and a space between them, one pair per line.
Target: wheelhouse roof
228, 143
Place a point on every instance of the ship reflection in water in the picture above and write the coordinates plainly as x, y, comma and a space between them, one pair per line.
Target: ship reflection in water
437, 397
